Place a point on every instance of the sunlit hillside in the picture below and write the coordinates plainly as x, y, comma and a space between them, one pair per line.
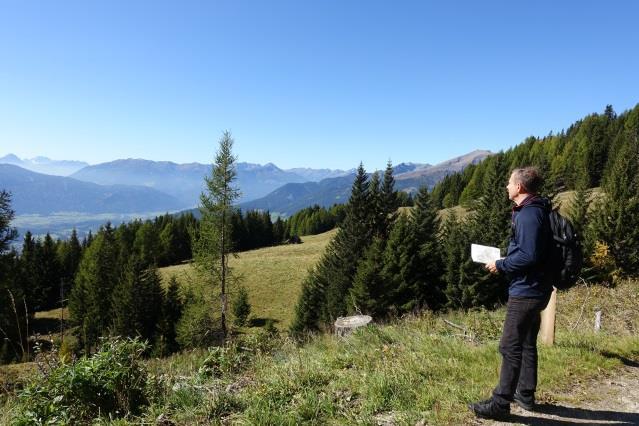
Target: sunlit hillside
272, 276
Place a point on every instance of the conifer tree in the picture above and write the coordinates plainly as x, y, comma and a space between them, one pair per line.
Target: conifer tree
389, 199
430, 271
69, 255
325, 290
377, 210
345, 251
453, 247
213, 244
95, 280
616, 221
488, 224
7, 233
241, 307
135, 301
401, 264
166, 342
369, 292
49, 273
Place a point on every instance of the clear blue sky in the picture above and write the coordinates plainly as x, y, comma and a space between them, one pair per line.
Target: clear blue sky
301, 83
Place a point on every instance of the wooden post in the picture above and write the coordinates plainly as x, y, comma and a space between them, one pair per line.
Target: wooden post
597, 319
547, 329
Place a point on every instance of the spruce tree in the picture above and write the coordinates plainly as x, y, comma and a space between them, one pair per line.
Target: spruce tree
401, 265
425, 224
389, 200
7, 233
241, 307
95, 280
345, 251
453, 242
325, 290
616, 220
135, 301
166, 342
369, 292
487, 224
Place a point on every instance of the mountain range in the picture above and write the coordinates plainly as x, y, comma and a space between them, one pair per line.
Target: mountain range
186, 181
45, 165
409, 177
37, 193
136, 186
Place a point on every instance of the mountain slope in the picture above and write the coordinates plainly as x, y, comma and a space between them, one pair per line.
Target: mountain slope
36, 193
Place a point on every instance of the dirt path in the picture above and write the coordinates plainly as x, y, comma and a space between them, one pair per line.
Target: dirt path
613, 400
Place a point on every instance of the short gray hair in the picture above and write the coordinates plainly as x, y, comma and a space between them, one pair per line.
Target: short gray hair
529, 178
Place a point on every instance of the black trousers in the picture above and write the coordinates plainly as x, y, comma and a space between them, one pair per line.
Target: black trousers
518, 347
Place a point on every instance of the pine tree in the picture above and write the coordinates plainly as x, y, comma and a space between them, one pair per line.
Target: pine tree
213, 244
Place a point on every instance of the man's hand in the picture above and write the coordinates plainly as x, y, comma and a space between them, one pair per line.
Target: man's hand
492, 268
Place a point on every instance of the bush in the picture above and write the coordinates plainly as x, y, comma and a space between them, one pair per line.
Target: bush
197, 327
110, 384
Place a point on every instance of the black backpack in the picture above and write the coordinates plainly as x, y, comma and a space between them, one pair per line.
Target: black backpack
566, 257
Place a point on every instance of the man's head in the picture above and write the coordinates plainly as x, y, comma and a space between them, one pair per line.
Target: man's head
523, 182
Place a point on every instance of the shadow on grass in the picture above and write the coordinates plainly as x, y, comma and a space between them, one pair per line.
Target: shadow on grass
625, 361
46, 325
575, 416
261, 322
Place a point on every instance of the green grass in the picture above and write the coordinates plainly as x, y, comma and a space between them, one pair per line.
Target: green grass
417, 368
273, 276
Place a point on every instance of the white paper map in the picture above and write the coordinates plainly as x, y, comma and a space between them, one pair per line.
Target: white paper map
484, 254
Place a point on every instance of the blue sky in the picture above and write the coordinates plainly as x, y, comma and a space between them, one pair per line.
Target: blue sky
300, 83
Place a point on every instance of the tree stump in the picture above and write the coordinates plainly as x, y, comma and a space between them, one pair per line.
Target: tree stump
345, 325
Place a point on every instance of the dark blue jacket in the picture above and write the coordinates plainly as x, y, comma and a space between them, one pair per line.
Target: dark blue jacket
526, 262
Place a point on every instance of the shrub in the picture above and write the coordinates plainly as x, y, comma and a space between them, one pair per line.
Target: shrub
112, 383
197, 327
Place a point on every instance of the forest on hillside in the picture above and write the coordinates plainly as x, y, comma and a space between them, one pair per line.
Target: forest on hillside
419, 261
382, 261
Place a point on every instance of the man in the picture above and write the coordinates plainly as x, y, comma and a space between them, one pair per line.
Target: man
526, 266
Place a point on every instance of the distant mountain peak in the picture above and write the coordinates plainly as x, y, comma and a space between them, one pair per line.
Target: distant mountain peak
10, 158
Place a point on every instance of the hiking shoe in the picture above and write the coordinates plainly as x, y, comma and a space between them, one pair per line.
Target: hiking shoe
489, 409
525, 402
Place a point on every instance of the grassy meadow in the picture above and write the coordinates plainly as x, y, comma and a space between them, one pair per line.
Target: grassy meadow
272, 276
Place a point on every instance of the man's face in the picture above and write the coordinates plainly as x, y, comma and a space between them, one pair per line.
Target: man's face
513, 187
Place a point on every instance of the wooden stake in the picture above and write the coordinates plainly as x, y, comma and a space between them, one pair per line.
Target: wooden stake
597, 320
547, 329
